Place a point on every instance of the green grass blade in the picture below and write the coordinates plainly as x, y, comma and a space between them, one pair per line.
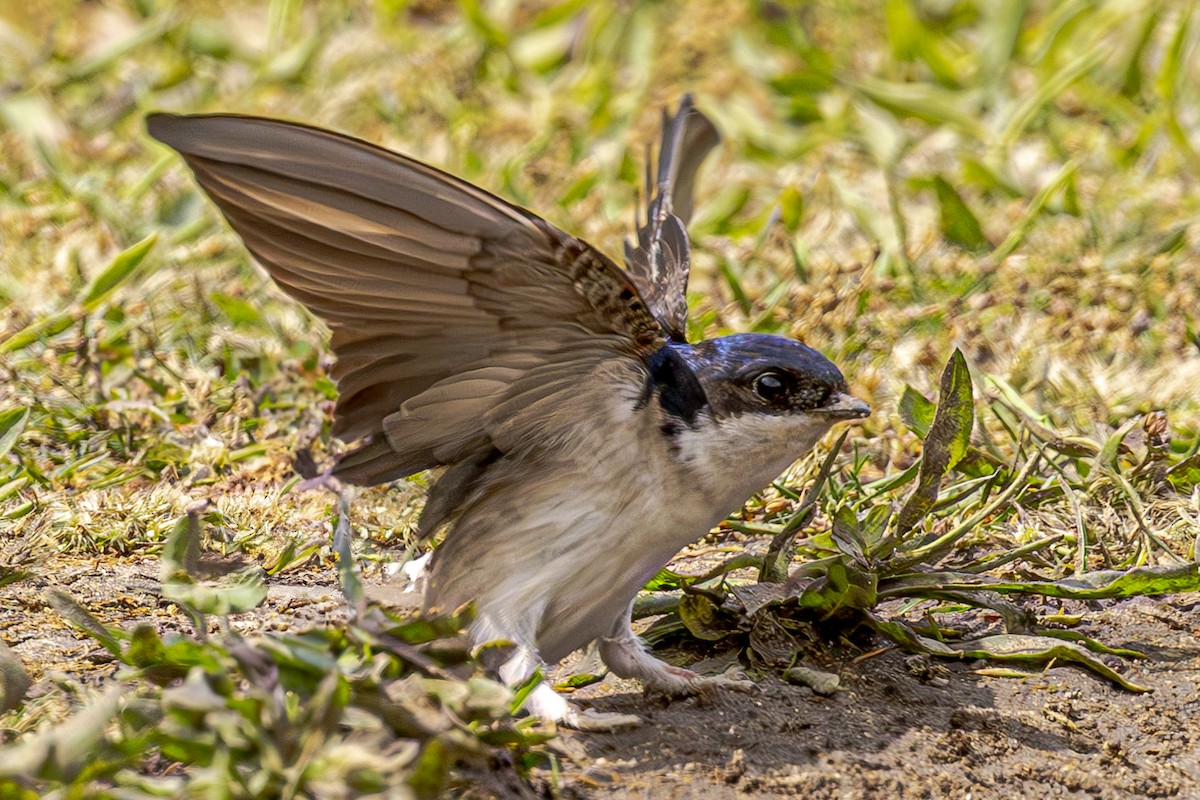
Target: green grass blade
959, 224
947, 442
916, 411
81, 619
116, 273
12, 424
1099, 585
37, 331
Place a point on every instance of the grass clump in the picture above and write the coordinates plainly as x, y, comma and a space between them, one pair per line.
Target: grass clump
381, 706
910, 542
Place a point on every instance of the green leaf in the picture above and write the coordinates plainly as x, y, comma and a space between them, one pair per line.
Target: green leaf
233, 591
702, 618
904, 29
488, 31
486, 699
1000, 31
326, 387
1111, 450
14, 680
1024, 112
579, 680
1092, 644
181, 550
948, 440
12, 424
307, 653
829, 585
886, 484
916, 411
423, 628
1040, 650
432, 770
881, 134
959, 224
63, 751
145, 647
879, 228
667, 580
101, 286
874, 533
348, 576
1098, 585
1185, 475
791, 208
977, 173
1004, 647
1033, 211
81, 619
237, 310
847, 534
735, 286
926, 102
906, 637
116, 273
36, 331
774, 567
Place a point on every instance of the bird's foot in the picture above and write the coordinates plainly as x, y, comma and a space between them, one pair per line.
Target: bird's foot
593, 721
415, 572
680, 682
547, 704
626, 657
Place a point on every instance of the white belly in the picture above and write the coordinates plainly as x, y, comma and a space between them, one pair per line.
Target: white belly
555, 545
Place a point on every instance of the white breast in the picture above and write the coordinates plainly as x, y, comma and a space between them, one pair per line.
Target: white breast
554, 556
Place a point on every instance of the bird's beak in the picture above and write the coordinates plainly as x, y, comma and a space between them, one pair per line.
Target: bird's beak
845, 406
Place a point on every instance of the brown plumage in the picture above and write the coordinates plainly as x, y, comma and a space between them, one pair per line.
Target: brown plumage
453, 312
660, 263
556, 388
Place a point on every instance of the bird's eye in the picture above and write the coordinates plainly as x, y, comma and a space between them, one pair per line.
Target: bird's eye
771, 386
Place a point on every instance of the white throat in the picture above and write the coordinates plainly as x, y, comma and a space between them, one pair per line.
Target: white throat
734, 457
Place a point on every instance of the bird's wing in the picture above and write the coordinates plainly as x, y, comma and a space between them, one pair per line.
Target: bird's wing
456, 316
661, 260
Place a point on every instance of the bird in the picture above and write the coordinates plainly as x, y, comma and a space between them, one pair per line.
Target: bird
582, 440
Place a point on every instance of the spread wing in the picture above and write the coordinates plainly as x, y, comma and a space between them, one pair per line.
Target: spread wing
661, 261
456, 316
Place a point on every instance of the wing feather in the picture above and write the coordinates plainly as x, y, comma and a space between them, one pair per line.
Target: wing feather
456, 316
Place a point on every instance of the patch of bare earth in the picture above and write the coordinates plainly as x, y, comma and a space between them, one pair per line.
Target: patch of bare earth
893, 732
896, 729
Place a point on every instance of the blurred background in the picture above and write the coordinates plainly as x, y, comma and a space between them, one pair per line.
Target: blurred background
1014, 178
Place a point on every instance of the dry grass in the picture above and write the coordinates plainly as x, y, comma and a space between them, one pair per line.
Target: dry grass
891, 186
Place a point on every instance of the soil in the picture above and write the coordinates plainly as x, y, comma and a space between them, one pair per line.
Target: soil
902, 727
899, 727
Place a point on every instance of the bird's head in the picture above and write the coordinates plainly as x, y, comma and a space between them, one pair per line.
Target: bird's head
760, 374
750, 404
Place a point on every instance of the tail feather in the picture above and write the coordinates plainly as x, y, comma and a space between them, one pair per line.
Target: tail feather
661, 259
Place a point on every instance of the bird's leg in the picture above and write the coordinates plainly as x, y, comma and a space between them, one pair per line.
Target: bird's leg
546, 704
627, 657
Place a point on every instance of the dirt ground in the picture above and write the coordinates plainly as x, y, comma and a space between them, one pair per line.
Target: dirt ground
898, 728
893, 732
